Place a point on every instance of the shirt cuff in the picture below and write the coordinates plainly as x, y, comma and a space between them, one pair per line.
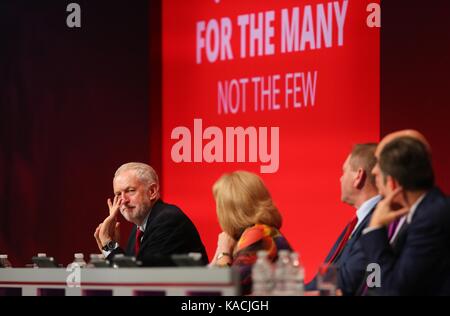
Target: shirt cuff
107, 253
370, 229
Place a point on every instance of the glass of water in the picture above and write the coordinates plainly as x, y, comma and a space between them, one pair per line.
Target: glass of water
327, 280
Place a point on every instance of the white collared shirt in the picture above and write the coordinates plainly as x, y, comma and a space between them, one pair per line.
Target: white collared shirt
364, 210
142, 228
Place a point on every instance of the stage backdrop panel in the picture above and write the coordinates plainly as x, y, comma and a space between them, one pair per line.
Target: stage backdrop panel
280, 88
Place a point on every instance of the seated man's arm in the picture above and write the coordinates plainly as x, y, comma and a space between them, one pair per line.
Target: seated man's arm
173, 234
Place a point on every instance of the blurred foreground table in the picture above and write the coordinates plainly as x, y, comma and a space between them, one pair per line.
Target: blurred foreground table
198, 281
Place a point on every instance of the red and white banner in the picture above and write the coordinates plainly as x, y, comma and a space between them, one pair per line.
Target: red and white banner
281, 88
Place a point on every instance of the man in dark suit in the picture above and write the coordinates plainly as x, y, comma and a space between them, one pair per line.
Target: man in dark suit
161, 230
416, 261
357, 189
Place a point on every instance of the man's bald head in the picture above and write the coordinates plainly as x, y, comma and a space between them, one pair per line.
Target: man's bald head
402, 133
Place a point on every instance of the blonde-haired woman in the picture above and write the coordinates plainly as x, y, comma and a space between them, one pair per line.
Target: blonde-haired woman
250, 222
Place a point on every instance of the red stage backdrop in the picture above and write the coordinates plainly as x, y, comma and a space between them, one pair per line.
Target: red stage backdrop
280, 88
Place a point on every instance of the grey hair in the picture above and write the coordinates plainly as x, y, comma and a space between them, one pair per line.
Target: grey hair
144, 172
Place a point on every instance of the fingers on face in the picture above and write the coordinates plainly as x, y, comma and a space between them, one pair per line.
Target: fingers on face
117, 200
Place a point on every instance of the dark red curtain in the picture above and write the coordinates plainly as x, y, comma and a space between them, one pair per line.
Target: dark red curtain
75, 104
415, 65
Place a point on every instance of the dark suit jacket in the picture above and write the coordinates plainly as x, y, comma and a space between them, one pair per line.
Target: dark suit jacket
169, 231
419, 264
351, 262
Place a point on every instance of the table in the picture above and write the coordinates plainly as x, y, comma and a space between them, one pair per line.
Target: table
184, 281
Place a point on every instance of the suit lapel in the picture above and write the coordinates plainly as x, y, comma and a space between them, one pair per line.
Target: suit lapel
156, 209
400, 238
336, 244
356, 234
131, 242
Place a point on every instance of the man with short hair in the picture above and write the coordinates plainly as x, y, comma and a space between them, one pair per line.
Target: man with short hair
416, 261
161, 230
358, 190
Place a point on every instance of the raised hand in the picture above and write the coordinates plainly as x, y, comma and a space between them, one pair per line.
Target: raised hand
114, 206
388, 211
109, 229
